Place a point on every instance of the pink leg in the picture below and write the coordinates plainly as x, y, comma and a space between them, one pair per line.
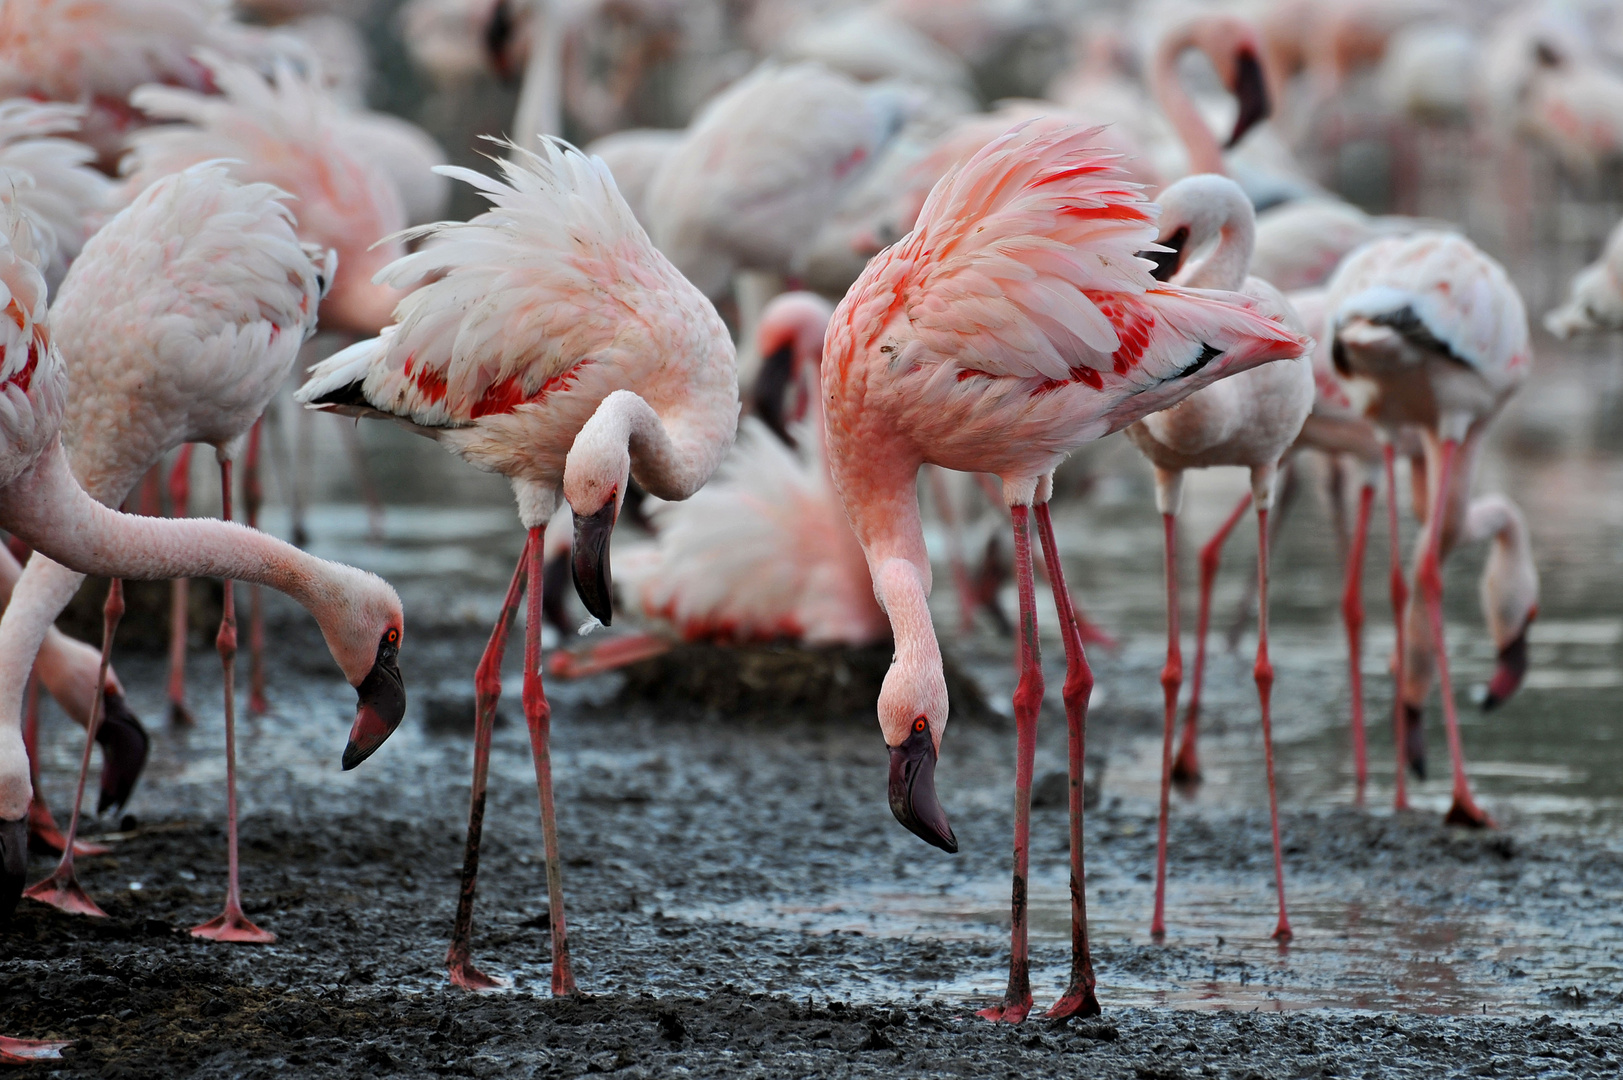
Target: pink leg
231, 924
1028, 698
28, 1051
967, 600
1399, 590
1352, 612
61, 890
538, 717
1079, 998
1171, 682
611, 654
1264, 674
487, 684
180, 489
1464, 810
1186, 766
253, 496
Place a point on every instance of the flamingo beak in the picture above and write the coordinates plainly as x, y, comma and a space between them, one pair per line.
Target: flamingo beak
13, 865
1508, 672
594, 584
380, 706
1252, 91
1167, 262
124, 745
772, 391
912, 792
1414, 739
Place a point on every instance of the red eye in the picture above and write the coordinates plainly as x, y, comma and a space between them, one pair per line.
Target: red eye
393, 636
919, 724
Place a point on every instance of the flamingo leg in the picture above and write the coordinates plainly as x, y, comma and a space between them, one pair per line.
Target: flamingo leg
180, 493
538, 718
253, 497
28, 1051
62, 890
1186, 766
1464, 810
1352, 612
363, 478
487, 684
1171, 682
1263, 672
1399, 591
231, 924
1028, 698
1079, 998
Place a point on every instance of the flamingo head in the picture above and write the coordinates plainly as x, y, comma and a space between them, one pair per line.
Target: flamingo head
1510, 601
364, 626
597, 475
913, 708
790, 342
1235, 50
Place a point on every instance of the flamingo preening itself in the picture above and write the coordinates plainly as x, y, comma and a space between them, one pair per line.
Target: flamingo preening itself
1015, 323
43, 505
546, 340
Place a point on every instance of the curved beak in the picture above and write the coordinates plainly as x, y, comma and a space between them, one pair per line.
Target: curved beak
500, 29
1508, 671
1414, 739
380, 706
1252, 91
912, 792
1169, 260
124, 745
772, 391
13, 865
593, 582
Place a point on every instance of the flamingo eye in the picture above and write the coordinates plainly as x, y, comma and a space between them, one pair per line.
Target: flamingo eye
920, 724
393, 636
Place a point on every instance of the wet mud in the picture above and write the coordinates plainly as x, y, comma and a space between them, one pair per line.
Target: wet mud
741, 903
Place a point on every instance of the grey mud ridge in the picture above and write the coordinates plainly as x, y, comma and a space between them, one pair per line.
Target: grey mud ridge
671, 817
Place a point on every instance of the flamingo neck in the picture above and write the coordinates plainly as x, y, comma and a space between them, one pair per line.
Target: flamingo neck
1225, 267
671, 456
915, 685
1205, 154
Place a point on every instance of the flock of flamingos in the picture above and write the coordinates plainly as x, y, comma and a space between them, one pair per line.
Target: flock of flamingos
187, 196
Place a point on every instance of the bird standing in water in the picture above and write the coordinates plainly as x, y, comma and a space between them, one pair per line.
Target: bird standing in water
1015, 323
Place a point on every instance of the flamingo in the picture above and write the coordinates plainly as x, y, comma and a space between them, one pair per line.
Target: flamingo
42, 504
51, 179
1595, 297
1012, 325
142, 383
1432, 335
634, 157
549, 341
1250, 420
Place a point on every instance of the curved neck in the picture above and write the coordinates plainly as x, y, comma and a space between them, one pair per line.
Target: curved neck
1225, 267
670, 456
915, 685
1205, 154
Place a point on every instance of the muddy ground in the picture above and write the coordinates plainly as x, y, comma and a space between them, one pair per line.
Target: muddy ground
679, 829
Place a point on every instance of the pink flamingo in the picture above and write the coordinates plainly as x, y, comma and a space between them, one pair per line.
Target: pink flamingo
546, 340
1595, 297
42, 504
1432, 335
51, 180
1013, 324
201, 372
1250, 420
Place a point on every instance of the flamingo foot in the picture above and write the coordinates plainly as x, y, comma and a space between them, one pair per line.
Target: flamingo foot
1010, 1012
45, 837
1078, 1000
1466, 812
468, 977
180, 715
62, 891
1283, 932
257, 705
233, 926
28, 1051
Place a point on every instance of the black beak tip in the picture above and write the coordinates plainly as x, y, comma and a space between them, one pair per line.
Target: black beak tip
13, 865
1251, 88
594, 582
379, 708
912, 793
124, 746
